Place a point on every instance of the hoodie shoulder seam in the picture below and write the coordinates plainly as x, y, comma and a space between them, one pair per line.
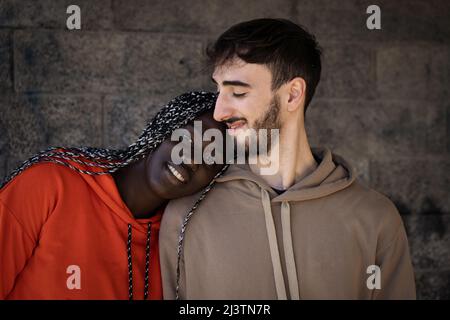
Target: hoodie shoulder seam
395, 238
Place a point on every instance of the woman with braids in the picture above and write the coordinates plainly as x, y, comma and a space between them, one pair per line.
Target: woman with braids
82, 223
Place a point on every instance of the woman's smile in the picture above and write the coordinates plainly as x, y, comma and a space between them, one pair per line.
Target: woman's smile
178, 171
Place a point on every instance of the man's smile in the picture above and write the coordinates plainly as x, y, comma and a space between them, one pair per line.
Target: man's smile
233, 127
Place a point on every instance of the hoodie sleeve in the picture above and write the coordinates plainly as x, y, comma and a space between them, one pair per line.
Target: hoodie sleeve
397, 275
16, 246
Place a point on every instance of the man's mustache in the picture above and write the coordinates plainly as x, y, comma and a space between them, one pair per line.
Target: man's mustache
234, 119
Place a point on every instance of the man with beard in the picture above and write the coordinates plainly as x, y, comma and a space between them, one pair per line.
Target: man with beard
311, 230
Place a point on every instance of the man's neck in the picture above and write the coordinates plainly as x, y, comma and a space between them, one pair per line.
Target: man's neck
295, 160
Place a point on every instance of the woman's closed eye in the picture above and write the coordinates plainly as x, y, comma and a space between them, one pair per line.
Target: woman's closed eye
235, 94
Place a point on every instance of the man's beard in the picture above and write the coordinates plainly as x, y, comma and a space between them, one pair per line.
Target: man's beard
270, 120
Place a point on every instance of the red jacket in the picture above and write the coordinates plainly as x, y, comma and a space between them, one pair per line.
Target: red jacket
63, 235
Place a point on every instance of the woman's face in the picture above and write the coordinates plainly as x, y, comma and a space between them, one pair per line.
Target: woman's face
172, 181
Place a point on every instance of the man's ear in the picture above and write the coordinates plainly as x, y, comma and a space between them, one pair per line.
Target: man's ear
296, 90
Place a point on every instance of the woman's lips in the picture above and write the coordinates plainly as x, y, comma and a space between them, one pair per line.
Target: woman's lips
178, 172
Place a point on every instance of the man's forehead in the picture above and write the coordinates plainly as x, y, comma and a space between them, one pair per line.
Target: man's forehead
238, 69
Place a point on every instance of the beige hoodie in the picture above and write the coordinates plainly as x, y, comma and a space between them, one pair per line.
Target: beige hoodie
317, 240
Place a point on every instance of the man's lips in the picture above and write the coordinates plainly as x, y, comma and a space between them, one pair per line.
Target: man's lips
236, 124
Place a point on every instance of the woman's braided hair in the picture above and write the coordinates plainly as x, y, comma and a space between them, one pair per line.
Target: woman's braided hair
176, 114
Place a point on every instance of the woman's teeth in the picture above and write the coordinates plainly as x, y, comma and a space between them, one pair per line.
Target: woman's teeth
175, 173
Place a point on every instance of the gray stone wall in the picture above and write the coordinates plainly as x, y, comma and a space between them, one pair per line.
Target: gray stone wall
383, 101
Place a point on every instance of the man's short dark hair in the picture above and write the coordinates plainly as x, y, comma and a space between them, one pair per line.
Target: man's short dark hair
287, 49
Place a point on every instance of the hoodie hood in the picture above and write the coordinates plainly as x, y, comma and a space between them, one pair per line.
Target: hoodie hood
105, 188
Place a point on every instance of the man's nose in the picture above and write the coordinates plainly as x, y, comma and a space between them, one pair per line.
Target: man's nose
222, 109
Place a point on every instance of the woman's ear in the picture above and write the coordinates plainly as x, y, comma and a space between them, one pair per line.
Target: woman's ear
296, 93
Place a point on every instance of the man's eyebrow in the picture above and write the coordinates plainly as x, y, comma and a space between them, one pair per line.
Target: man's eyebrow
233, 83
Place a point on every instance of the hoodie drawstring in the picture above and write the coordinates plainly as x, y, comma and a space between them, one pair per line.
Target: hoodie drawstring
147, 262
130, 266
287, 246
289, 250
273, 244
